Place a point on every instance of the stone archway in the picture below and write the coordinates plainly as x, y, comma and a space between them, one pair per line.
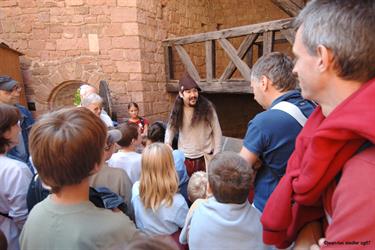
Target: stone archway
63, 94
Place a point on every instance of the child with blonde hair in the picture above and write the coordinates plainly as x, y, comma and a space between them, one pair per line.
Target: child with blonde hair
159, 209
197, 187
198, 194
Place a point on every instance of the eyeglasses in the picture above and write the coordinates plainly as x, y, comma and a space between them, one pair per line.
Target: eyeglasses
15, 88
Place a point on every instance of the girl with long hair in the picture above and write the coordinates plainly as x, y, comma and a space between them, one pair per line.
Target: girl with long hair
142, 123
15, 177
159, 209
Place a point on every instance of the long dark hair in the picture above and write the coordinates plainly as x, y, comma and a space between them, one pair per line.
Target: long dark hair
9, 116
203, 112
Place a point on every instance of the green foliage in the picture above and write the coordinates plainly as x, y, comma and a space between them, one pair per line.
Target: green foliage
77, 98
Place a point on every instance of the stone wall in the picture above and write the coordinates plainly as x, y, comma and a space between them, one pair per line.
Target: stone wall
70, 42
83, 41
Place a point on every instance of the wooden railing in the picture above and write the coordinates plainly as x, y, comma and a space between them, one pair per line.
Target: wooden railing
263, 35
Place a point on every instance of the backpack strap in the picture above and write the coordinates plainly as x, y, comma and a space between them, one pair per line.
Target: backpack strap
5, 215
292, 110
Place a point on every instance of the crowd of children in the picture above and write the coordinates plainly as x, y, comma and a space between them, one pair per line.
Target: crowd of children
73, 150
145, 204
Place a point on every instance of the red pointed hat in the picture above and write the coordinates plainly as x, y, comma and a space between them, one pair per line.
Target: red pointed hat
186, 83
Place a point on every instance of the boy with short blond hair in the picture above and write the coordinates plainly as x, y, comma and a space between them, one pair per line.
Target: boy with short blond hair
67, 147
197, 187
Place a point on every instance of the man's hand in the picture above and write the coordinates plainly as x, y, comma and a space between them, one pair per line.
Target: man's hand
316, 247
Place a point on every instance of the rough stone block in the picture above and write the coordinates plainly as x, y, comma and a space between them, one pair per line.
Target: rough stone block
114, 29
116, 54
133, 86
127, 3
74, 2
130, 29
37, 44
96, 2
123, 14
66, 44
131, 67
132, 54
127, 42
8, 3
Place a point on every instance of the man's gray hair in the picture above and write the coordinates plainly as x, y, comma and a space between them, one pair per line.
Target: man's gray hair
347, 28
277, 67
91, 98
86, 89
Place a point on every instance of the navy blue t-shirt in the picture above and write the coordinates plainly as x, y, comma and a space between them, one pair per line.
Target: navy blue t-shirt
271, 135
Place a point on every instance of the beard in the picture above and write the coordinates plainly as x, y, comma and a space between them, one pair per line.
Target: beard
194, 103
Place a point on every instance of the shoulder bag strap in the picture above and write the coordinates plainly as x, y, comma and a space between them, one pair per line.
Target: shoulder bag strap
292, 110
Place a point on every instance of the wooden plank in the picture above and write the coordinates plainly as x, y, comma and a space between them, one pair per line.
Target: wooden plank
189, 66
277, 37
267, 42
288, 7
249, 57
232, 32
231, 51
244, 47
289, 34
210, 60
168, 59
230, 86
300, 3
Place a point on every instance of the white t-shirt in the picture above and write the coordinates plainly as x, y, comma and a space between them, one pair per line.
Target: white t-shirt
128, 161
15, 178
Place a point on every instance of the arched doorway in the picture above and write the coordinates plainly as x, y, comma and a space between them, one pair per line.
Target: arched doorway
63, 95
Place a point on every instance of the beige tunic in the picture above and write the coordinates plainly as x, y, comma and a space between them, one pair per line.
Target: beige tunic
198, 140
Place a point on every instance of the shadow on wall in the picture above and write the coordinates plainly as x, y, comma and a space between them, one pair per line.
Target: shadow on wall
234, 111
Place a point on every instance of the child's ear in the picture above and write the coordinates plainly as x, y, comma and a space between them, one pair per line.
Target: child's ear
208, 191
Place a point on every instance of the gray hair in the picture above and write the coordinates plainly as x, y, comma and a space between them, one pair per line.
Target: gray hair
277, 67
347, 28
86, 89
91, 98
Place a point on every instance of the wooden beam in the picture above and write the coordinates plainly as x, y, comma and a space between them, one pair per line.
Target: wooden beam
189, 66
289, 34
230, 86
168, 63
300, 3
277, 36
210, 60
231, 51
244, 47
232, 32
249, 57
288, 6
267, 42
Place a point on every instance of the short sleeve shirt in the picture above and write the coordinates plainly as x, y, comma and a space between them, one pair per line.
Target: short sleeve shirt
271, 135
